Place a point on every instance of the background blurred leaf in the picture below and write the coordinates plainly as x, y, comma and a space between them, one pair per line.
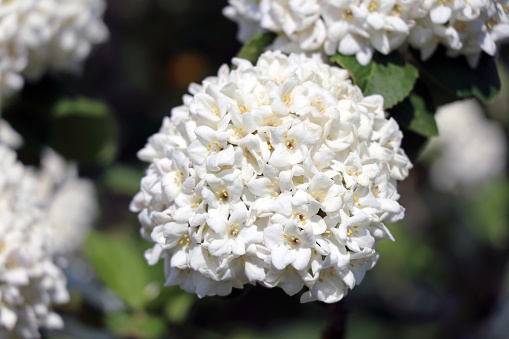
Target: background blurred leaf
84, 130
408, 254
122, 179
387, 75
456, 76
178, 307
417, 111
489, 214
255, 46
136, 325
120, 267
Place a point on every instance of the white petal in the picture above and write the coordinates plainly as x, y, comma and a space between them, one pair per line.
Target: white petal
440, 14
282, 257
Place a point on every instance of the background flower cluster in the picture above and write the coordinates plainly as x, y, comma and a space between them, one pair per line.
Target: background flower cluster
46, 212
362, 27
39, 35
44, 216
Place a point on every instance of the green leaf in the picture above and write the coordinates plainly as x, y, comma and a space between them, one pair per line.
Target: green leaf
178, 307
255, 46
84, 130
488, 213
122, 179
137, 325
388, 75
456, 76
417, 112
120, 266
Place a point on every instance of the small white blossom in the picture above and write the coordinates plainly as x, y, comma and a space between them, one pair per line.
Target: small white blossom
469, 151
360, 27
46, 34
276, 173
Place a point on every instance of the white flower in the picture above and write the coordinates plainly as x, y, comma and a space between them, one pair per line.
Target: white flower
277, 174
70, 202
8, 136
469, 151
30, 283
46, 34
360, 27
248, 14
44, 214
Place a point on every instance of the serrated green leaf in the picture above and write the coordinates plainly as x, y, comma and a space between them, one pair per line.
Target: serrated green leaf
120, 267
456, 76
84, 130
255, 46
417, 112
387, 75
137, 325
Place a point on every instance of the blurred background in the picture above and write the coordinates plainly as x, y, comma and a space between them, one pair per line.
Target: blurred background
444, 277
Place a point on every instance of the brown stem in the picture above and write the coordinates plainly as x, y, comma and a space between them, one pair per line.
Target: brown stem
337, 320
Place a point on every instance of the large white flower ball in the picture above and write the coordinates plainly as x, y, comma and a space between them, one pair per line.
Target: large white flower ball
360, 27
281, 174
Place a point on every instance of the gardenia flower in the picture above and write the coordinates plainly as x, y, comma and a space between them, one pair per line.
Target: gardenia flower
30, 283
360, 27
36, 35
281, 174
470, 150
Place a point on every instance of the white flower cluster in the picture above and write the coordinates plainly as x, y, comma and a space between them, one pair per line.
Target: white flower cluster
359, 27
36, 35
469, 151
281, 174
30, 282
69, 200
44, 214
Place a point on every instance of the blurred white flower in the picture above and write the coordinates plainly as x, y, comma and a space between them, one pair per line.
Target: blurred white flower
469, 151
46, 34
30, 283
281, 173
360, 27
70, 202
8, 136
247, 14
45, 214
